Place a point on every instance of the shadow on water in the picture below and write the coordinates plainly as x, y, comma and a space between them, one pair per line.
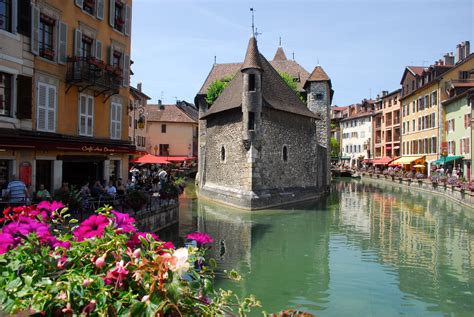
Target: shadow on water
363, 250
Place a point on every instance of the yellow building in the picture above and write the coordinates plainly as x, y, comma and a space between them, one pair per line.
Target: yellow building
423, 119
76, 129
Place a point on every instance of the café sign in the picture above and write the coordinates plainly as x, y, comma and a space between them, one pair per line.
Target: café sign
96, 149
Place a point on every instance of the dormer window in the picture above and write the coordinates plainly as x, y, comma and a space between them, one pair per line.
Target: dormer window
251, 82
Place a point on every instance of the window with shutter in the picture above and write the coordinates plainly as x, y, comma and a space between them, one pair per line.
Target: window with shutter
112, 13
35, 19
6, 89
128, 20
126, 70
100, 9
86, 115
24, 17
116, 120
62, 43
24, 97
77, 42
46, 108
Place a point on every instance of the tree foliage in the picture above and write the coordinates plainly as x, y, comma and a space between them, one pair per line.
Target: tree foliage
289, 80
216, 88
334, 147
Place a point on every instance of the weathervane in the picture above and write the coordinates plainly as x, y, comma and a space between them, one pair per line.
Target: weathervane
253, 26
279, 44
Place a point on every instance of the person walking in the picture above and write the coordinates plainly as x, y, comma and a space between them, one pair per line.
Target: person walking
17, 192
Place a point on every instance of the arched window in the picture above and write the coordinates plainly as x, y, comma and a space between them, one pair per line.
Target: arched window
222, 154
285, 153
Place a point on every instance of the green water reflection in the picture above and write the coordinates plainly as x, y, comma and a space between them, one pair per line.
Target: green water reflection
364, 251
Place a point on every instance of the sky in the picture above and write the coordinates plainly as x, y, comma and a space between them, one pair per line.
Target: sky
363, 45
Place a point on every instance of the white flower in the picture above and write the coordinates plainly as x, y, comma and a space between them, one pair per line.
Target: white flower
179, 262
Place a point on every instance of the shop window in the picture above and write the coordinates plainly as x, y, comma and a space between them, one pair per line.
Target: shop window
46, 37
164, 149
5, 94
6, 15
285, 154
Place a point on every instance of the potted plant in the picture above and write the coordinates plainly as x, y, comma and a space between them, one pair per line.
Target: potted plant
136, 199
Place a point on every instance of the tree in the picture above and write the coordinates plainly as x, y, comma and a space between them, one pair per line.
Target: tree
289, 80
334, 147
216, 88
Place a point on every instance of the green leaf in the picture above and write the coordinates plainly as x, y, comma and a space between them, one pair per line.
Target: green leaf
14, 284
138, 309
28, 279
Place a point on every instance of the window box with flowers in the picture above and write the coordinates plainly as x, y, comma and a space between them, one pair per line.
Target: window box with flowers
96, 62
47, 53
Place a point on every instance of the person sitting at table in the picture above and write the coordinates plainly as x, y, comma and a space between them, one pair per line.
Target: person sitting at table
42, 193
110, 189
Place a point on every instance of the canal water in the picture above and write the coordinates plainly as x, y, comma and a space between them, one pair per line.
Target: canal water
364, 251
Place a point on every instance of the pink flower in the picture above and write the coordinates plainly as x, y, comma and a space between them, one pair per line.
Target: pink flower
91, 227
47, 208
201, 238
117, 275
100, 262
6, 242
135, 239
24, 226
123, 222
62, 262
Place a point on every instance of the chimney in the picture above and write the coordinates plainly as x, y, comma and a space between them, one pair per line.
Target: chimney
160, 105
448, 60
436, 63
441, 63
459, 53
139, 87
467, 49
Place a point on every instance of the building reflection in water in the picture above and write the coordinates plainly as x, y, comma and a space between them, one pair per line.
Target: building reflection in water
419, 248
280, 247
427, 240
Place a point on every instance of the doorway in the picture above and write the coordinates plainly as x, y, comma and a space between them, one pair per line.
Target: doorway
44, 174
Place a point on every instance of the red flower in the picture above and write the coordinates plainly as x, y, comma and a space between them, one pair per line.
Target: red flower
91, 227
117, 275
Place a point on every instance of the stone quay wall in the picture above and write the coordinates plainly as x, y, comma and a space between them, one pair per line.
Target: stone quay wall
159, 218
465, 198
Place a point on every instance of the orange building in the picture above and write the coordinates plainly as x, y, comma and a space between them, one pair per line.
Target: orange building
387, 126
74, 127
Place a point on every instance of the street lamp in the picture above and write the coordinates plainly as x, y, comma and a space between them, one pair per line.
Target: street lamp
136, 106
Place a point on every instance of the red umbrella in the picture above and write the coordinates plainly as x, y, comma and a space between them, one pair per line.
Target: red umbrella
150, 159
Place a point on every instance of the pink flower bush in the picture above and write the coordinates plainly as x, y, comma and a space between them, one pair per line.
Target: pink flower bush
201, 238
91, 227
123, 222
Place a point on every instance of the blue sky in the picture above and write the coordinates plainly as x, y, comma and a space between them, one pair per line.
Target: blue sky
363, 45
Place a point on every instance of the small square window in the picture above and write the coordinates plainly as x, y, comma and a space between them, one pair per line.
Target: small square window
319, 96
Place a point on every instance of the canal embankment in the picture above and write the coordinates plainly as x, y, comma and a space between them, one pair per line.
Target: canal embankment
453, 193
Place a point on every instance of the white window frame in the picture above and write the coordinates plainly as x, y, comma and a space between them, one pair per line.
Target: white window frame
47, 87
86, 115
115, 123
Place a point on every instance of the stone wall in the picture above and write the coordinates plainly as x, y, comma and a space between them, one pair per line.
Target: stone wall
465, 198
322, 108
226, 130
297, 134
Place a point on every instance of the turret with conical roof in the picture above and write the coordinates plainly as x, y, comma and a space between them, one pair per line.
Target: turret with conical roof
251, 95
319, 97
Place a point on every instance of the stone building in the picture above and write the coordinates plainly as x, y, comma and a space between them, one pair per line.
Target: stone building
259, 144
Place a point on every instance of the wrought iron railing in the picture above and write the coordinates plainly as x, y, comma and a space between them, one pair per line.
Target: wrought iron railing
93, 73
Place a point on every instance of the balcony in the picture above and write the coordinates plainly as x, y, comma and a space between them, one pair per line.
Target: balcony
90, 73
